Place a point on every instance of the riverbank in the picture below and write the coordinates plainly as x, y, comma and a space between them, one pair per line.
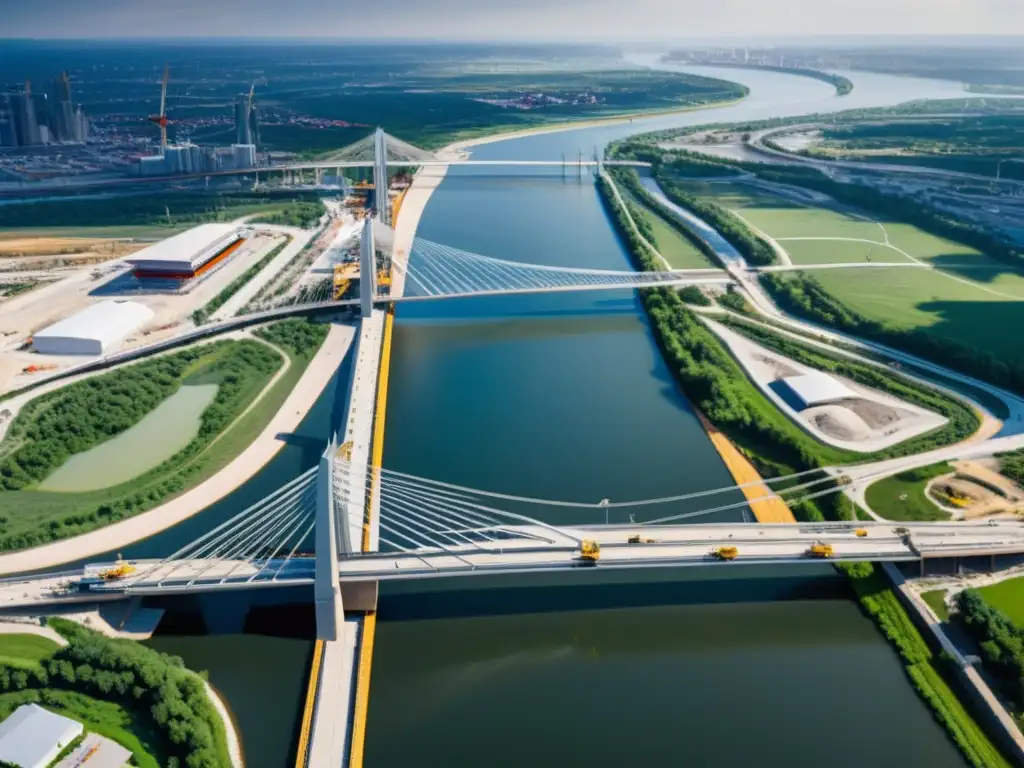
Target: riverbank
598, 122
243, 467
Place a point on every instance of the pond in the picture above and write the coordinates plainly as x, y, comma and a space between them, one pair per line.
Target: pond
159, 435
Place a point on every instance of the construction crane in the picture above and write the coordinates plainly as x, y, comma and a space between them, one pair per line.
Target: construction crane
161, 119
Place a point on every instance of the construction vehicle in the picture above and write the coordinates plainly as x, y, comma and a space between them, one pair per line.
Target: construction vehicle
590, 552
383, 278
861, 533
635, 539
820, 550
725, 553
843, 480
34, 368
120, 570
345, 451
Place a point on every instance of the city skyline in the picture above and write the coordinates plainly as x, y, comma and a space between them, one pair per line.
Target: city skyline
526, 19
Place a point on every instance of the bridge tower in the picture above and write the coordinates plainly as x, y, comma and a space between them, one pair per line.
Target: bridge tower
380, 176
367, 269
330, 612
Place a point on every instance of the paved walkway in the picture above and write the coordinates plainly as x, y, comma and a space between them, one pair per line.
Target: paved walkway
33, 628
244, 466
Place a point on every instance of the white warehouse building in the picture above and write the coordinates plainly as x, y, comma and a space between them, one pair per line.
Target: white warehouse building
93, 331
32, 737
815, 388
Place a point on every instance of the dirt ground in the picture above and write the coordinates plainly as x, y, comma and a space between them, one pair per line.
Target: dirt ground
977, 482
74, 247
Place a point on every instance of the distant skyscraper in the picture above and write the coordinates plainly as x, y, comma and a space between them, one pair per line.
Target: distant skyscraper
243, 121
61, 112
8, 136
23, 111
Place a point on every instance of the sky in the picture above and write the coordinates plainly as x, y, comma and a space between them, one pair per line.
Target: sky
524, 20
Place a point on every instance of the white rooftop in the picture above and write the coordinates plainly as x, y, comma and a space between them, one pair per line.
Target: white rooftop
106, 322
32, 736
184, 246
815, 388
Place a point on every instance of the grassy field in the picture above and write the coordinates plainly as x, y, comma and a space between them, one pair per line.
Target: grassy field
780, 218
1008, 597
936, 601
677, 250
25, 650
902, 497
866, 240
929, 300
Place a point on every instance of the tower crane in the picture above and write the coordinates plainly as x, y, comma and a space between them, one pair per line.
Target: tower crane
161, 119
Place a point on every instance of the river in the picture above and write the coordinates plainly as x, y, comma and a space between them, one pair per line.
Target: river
567, 397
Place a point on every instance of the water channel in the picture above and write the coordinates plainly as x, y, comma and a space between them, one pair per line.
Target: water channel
567, 397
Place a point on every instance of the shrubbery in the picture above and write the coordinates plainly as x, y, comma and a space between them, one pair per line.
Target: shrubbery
303, 214
1001, 642
200, 315
301, 336
155, 685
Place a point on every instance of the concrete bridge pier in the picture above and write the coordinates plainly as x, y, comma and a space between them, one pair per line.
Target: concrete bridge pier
367, 270
330, 611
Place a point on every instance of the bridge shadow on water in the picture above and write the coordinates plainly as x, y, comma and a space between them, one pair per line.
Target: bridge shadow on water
576, 591
288, 611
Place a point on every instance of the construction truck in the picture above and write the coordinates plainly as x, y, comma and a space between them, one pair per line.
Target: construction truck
636, 539
725, 553
861, 533
590, 552
119, 570
820, 550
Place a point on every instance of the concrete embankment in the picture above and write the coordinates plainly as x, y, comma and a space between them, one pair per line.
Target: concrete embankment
984, 703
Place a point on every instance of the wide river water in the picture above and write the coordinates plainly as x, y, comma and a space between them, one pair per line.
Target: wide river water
567, 397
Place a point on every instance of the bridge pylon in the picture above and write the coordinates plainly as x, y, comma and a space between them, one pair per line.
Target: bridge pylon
380, 176
367, 269
330, 611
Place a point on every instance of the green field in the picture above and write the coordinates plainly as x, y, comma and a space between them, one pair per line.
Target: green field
24, 650
781, 218
679, 252
1008, 597
936, 601
902, 497
929, 300
860, 237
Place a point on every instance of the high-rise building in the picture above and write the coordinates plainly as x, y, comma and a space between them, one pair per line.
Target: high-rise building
244, 155
8, 135
243, 121
23, 112
61, 114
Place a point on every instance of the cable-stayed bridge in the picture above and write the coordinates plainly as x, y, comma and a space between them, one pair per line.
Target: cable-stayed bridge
339, 522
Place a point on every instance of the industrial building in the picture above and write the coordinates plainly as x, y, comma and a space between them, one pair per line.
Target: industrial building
94, 330
188, 254
814, 388
32, 737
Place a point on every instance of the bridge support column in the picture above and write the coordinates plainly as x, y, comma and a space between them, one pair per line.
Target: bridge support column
380, 176
330, 612
367, 270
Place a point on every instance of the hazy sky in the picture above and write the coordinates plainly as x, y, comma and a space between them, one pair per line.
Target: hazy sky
506, 19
